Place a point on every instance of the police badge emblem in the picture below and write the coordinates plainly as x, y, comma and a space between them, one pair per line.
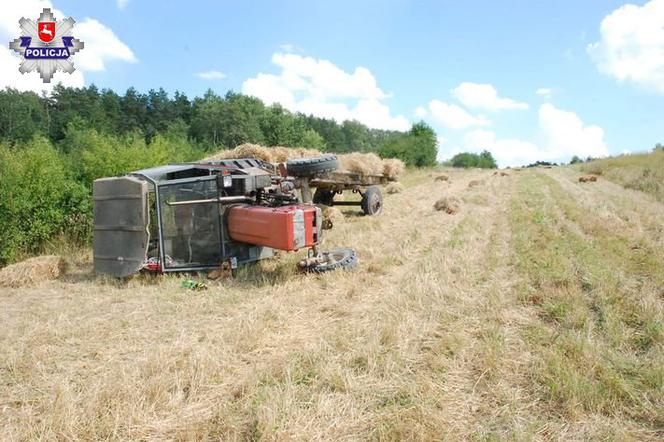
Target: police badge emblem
46, 45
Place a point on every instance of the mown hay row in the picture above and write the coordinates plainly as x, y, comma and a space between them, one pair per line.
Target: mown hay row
31, 271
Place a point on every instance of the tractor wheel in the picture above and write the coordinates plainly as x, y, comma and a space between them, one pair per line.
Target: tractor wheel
372, 201
340, 258
324, 197
305, 167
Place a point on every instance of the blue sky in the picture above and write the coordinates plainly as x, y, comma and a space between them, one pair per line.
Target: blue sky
470, 69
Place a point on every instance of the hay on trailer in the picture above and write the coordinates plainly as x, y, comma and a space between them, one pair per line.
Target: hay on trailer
362, 163
393, 168
442, 178
587, 179
32, 271
448, 204
276, 154
246, 150
394, 187
474, 183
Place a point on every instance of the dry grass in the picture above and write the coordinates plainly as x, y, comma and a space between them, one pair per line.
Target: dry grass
520, 318
475, 183
32, 271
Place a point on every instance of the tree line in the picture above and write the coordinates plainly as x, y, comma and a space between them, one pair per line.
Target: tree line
53, 147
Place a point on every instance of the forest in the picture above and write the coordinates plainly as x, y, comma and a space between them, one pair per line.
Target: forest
52, 147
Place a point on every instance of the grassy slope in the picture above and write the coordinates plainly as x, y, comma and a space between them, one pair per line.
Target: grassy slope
644, 172
533, 313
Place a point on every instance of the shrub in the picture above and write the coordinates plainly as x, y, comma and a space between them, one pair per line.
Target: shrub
38, 201
417, 148
483, 160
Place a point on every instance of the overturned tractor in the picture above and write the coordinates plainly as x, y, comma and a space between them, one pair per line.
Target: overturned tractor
197, 216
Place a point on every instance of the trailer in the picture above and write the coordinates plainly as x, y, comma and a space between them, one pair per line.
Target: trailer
329, 182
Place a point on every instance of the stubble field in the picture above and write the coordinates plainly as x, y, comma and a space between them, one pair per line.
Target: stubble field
535, 312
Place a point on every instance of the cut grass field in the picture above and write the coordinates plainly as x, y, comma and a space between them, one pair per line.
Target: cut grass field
533, 313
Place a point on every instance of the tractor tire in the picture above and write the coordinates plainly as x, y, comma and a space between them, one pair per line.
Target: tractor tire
324, 197
344, 258
372, 201
306, 167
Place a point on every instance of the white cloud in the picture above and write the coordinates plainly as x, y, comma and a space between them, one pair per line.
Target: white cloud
563, 134
420, 112
567, 135
544, 92
211, 75
507, 152
319, 87
484, 96
453, 116
631, 47
101, 46
122, 3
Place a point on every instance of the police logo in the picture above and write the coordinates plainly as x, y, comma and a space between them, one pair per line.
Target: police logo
46, 45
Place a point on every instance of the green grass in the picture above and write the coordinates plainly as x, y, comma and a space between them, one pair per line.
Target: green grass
599, 346
644, 172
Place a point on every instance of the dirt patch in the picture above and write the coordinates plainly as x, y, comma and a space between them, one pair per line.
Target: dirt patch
448, 204
394, 188
31, 271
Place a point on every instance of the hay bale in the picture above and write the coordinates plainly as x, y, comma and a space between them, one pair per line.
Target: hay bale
362, 163
587, 179
475, 183
224, 271
448, 204
32, 271
442, 178
332, 214
395, 187
393, 168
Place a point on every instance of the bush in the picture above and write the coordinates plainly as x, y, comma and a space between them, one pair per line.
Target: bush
93, 155
483, 160
38, 201
416, 148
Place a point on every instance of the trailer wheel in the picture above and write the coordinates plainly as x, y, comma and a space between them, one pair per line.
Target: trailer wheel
324, 197
372, 201
304, 167
340, 258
